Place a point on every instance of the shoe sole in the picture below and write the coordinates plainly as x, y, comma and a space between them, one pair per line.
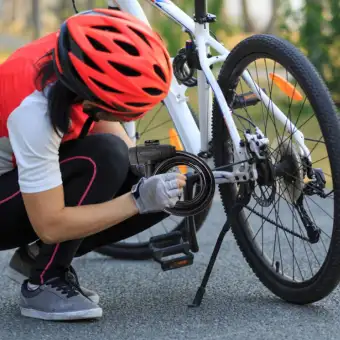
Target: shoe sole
19, 278
94, 313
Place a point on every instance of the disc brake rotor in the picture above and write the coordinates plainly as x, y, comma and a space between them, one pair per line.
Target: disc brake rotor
291, 182
264, 193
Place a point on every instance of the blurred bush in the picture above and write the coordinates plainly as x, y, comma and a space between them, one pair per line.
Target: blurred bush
318, 35
315, 28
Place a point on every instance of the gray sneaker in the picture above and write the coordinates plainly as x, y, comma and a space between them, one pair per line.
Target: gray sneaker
59, 300
23, 259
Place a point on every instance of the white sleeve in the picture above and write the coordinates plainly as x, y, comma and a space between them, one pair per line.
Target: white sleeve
35, 145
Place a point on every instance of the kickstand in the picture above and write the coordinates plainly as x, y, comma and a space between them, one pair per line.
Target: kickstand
242, 201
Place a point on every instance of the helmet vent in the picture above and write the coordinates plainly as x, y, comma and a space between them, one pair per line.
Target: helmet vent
125, 70
128, 48
141, 35
159, 72
152, 91
137, 104
89, 62
104, 86
107, 28
97, 45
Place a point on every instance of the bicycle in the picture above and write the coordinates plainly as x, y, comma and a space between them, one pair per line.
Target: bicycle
263, 170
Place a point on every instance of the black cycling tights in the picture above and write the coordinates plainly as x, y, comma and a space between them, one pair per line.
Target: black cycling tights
94, 170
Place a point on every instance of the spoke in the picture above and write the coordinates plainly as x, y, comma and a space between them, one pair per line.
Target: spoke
245, 107
303, 233
297, 127
257, 203
276, 231
278, 235
262, 110
298, 179
315, 146
272, 116
314, 140
326, 234
157, 126
265, 219
301, 228
265, 62
317, 225
294, 258
289, 107
152, 119
262, 229
165, 138
308, 207
320, 207
321, 159
290, 102
311, 200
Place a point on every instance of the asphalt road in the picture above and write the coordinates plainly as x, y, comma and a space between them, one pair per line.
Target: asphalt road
142, 302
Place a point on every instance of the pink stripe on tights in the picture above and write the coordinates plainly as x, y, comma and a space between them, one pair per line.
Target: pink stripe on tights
10, 197
79, 203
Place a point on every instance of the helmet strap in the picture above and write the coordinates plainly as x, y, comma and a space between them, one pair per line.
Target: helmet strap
86, 127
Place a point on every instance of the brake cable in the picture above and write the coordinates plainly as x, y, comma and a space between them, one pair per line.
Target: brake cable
74, 6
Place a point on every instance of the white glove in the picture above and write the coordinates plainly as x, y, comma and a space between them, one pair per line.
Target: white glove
158, 192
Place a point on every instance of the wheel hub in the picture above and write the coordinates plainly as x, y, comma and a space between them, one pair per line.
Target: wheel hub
264, 193
288, 169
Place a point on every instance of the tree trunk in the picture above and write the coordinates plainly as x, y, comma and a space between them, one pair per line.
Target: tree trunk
14, 10
248, 25
36, 19
271, 27
90, 4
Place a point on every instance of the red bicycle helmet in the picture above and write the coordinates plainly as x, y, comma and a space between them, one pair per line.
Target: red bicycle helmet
114, 60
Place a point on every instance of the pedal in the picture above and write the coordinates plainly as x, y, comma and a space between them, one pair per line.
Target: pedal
245, 100
171, 244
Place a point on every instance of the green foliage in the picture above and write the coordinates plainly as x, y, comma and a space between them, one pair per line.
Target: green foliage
170, 31
319, 38
173, 34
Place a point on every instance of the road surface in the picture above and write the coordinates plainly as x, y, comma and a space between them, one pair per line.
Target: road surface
142, 302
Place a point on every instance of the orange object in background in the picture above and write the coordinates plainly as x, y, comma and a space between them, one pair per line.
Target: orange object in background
286, 87
176, 142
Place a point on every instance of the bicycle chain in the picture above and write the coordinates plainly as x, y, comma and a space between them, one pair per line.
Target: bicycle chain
277, 225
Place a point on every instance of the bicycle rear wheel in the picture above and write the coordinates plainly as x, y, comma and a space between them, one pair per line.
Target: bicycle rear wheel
157, 124
277, 232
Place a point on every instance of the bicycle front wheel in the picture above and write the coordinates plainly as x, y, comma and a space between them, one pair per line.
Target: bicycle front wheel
289, 233
157, 124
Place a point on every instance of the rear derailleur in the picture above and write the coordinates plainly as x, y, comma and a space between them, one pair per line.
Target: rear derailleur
314, 187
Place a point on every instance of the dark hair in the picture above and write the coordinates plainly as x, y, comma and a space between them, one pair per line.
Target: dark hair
60, 98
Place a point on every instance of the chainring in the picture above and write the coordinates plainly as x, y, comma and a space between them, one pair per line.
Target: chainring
290, 185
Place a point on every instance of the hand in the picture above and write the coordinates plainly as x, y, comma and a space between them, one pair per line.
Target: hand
158, 192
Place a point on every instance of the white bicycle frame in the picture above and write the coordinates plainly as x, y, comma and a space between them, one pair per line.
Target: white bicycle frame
197, 140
